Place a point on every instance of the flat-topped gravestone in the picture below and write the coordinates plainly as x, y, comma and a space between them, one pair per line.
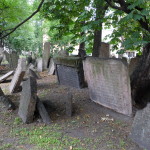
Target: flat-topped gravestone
7, 75
109, 83
140, 132
104, 50
46, 54
28, 100
18, 76
69, 71
51, 70
39, 65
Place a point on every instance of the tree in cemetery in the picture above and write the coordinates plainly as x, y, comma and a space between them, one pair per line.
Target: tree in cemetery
135, 28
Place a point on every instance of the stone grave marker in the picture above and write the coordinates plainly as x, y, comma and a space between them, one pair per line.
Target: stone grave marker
69, 71
7, 75
32, 73
109, 83
133, 64
140, 132
28, 100
69, 105
104, 50
18, 76
46, 54
1, 58
51, 70
39, 65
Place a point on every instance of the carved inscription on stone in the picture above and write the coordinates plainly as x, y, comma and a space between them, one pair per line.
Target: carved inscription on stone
109, 83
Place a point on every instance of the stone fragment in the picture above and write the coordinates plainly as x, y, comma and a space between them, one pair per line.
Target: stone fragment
51, 70
7, 75
109, 83
18, 76
28, 100
140, 132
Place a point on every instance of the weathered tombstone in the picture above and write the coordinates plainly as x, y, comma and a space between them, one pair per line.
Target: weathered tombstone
28, 100
140, 132
69, 71
133, 63
7, 75
1, 58
109, 83
18, 76
6, 101
69, 105
43, 112
104, 50
46, 54
51, 70
32, 73
39, 65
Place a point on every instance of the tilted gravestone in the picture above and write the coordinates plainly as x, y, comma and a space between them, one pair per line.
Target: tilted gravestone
140, 132
69, 71
28, 100
1, 58
7, 75
51, 70
39, 65
18, 76
109, 83
46, 54
104, 51
133, 64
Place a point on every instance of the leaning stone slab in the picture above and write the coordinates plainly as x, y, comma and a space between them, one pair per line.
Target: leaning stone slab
28, 100
7, 75
109, 83
18, 76
140, 132
51, 67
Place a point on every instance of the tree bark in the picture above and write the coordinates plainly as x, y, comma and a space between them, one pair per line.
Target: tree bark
140, 79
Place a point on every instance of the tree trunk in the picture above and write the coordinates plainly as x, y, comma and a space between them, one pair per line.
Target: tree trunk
140, 79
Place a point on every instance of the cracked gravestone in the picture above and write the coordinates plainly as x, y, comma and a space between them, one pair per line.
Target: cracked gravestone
140, 132
7, 75
18, 76
28, 100
109, 83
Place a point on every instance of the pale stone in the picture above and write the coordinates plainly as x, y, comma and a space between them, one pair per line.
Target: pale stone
51, 67
39, 65
46, 54
18, 76
109, 83
7, 75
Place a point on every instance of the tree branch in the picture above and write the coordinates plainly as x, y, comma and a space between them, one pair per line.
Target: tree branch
13, 29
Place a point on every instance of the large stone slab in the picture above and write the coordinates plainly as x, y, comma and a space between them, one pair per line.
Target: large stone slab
28, 100
140, 132
18, 76
69, 71
109, 83
51, 70
7, 75
46, 54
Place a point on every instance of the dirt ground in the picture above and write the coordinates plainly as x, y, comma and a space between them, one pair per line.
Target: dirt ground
92, 127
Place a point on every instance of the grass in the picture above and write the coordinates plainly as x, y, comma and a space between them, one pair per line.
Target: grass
5, 146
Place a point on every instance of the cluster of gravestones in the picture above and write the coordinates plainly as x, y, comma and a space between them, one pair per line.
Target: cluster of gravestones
108, 81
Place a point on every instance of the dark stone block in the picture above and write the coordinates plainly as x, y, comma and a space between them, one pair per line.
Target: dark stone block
28, 100
69, 105
140, 132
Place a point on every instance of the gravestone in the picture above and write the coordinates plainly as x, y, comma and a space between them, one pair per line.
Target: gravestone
39, 65
32, 73
104, 51
140, 132
109, 83
69, 71
133, 64
69, 105
51, 70
28, 100
18, 76
1, 58
46, 54
12, 59
7, 75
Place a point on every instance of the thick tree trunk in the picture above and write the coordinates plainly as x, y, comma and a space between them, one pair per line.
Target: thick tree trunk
140, 79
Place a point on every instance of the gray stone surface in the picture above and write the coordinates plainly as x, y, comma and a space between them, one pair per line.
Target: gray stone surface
39, 65
46, 54
109, 83
133, 63
104, 50
1, 92
18, 76
1, 58
28, 100
140, 132
32, 73
7, 75
51, 70
69, 105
